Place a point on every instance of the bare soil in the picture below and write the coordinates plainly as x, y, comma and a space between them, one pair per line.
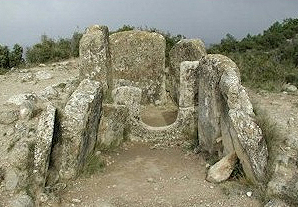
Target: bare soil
140, 176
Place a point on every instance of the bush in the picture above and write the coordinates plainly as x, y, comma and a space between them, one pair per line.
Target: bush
267, 60
49, 50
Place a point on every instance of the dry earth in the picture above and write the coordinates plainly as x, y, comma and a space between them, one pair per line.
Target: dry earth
140, 175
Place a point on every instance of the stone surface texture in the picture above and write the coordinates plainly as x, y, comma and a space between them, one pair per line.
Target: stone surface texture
139, 58
95, 55
79, 127
22, 200
113, 127
222, 170
225, 111
185, 126
184, 50
43, 146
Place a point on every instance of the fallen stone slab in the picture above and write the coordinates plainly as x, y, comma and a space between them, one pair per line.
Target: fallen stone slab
222, 170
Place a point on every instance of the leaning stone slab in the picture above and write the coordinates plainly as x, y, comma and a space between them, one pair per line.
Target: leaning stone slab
222, 170
42, 151
246, 135
95, 55
79, 127
184, 50
139, 57
224, 110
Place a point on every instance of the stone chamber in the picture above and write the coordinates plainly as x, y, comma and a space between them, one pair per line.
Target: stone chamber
120, 74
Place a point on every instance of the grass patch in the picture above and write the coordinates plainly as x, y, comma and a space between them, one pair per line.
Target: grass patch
94, 164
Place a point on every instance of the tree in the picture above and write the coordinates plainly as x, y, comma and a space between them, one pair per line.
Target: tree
75, 44
16, 56
4, 57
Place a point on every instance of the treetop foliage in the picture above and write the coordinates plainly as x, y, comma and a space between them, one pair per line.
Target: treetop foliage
265, 60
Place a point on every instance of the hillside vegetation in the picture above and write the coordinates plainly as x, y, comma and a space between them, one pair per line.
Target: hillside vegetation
267, 60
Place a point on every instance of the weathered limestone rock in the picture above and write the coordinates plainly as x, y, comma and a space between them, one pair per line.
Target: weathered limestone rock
19, 169
209, 104
284, 182
113, 127
22, 200
225, 111
289, 88
184, 50
246, 135
139, 57
185, 126
42, 151
276, 203
95, 56
27, 109
11, 180
222, 170
20, 98
188, 84
8, 117
79, 127
48, 93
131, 98
43, 75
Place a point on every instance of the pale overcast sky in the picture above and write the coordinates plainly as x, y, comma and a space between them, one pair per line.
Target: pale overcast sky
24, 21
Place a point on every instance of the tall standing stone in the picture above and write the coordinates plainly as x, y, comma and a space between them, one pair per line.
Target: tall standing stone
95, 56
42, 151
138, 60
184, 50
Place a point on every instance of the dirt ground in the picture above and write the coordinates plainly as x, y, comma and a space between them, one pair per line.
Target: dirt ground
137, 174
140, 176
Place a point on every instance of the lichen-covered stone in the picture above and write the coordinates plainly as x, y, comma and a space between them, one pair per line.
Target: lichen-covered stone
209, 104
139, 57
79, 127
95, 56
22, 200
131, 98
188, 84
113, 126
184, 50
42, 151
225, 111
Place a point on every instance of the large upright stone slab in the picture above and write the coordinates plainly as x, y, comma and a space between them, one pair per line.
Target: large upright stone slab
225, 113
138, 60
95, 56
79, 127
209, 104
184, 50
42, 150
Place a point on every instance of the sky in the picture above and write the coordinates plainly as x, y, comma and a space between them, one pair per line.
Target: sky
24, 21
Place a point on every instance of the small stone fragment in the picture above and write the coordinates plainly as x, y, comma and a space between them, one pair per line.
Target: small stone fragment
222, 170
